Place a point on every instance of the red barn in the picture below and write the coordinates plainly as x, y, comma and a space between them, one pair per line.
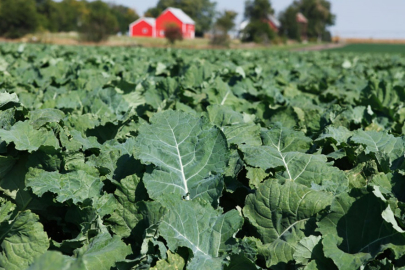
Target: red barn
149, 27
143, 27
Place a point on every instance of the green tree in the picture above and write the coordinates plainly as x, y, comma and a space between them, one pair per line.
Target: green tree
318, 13
124, 15
319, 17
153, 12
99, 23
18, 18
201, 11
73, 15
288, 18
258, 29
49, 14
258, 9
224, 23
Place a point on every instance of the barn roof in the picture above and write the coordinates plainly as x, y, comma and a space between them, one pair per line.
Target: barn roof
301, 18
274, 20
270, 17
183, 17
148, 20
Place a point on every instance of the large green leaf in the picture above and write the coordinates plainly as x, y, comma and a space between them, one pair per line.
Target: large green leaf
355, 231
220, 93
277, 142
25, 137
6, 164
189, 154
283, 215
12, 185
339, 135
39, 118
8, 98
389, 150
133, 216
54, 260
238, 129
309, 253
116, 160
173, 262
76, 185
22, 241
283, 148
196, 225
102, 253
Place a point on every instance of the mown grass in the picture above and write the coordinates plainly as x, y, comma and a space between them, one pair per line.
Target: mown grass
372, 48
72, 38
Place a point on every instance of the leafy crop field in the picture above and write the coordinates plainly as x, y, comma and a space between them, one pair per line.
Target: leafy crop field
132, 158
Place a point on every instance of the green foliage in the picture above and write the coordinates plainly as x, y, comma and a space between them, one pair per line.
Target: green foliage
226, 20
49, 13
177, 159
318, 13
64, 16
258, 30
17, 18
201, 11
173, 33
224, 23
72, 16
99, 23
124, 15
258, 9
288, 19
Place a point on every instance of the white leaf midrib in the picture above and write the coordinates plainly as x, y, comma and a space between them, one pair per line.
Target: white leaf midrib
185, 238
183, 177
281, 154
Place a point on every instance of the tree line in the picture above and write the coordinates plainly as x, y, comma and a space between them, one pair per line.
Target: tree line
96, 20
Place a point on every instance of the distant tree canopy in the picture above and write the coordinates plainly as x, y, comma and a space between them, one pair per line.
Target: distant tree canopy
49, 14
124, 15
318, 13
71, 17
226, 20
224, 23
18, 18
99, 23
201, 11
258, 29
96, 20
258, 9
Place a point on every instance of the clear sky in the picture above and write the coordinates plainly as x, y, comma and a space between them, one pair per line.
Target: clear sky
355, 18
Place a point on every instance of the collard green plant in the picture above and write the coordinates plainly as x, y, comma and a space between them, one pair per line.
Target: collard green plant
118, 158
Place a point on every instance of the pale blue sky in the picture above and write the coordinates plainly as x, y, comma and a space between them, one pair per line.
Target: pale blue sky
355, 18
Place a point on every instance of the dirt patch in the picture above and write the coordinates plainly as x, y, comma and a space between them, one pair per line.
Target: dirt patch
374, 41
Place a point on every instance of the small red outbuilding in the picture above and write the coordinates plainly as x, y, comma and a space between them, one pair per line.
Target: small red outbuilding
143, 27
149, 27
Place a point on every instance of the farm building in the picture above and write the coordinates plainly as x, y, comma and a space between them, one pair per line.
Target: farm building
143, 27
271, 20
150, 27
302, 25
